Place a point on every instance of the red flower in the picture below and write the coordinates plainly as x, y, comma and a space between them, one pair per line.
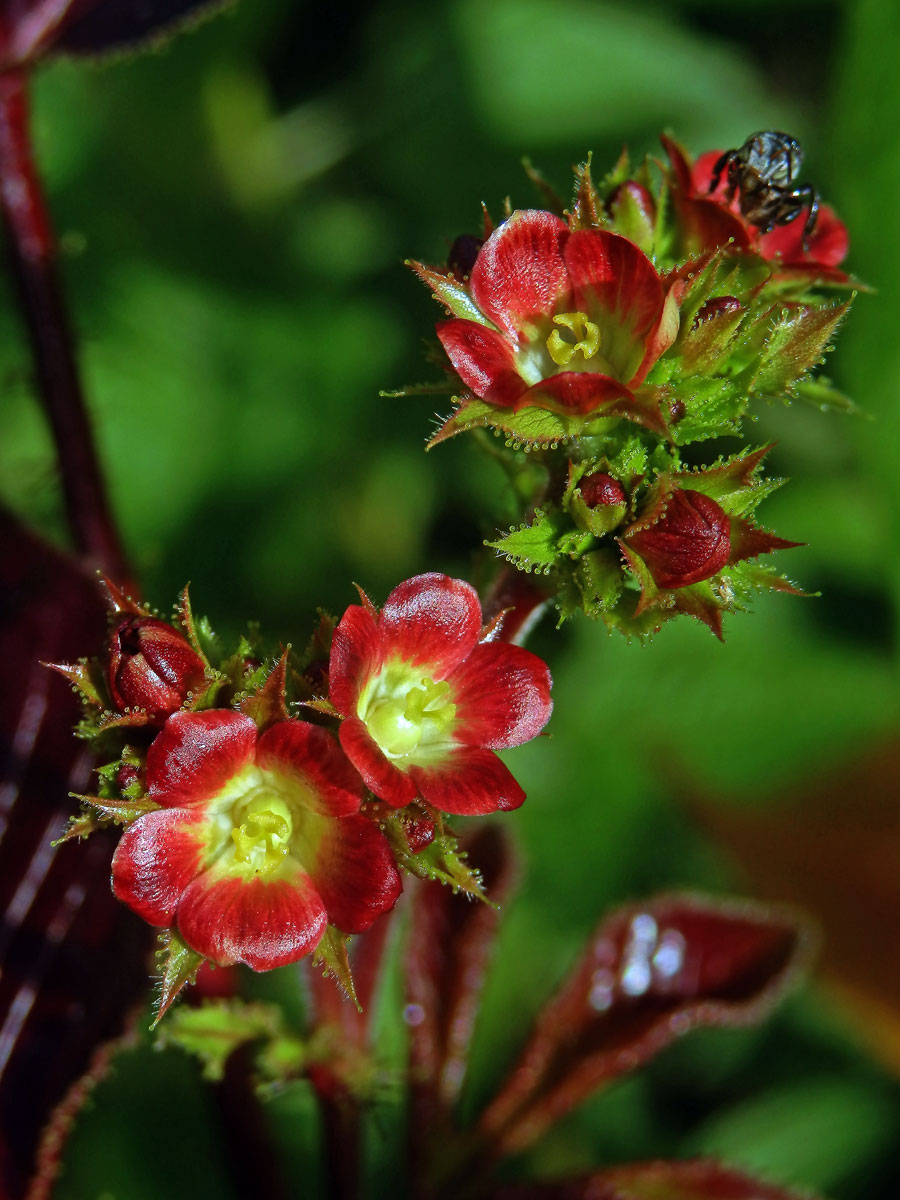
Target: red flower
828, 243
426, 703
258, 842
151, 666
709, 220
566, 321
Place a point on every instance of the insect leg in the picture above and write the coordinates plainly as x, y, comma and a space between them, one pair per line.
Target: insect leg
721, 164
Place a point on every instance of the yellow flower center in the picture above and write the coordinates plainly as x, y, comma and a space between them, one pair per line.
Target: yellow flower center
586, 338
402, 718
262, 830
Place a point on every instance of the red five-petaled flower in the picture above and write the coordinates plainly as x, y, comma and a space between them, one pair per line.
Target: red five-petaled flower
258, 842
566, 321
426, 703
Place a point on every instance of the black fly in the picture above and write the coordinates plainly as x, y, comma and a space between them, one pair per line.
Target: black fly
763, 173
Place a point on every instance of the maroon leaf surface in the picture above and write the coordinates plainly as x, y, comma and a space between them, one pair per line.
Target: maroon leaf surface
651, 973
96, 26
447, 958
73, 959
699, 1179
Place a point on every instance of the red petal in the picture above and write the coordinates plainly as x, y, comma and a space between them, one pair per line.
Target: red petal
262, 923
519, 273
432, 620
502, 696
195, 755
158, 856
574, 393
610, 273
356, 654
702, 173
828, 242
379, 773
354, 873
313, 757
469, 781
484, 361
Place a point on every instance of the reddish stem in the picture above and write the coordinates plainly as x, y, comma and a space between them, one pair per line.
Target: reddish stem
521, 597
32, 253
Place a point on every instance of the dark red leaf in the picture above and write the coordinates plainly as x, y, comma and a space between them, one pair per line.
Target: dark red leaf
72, 957
699, 1179
651, 973
97, 26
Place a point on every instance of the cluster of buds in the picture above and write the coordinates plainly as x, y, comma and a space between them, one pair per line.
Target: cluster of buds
270, 807
603, 338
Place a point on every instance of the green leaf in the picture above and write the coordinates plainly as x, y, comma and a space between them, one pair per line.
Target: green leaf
821, 394
268, 703
212, 1031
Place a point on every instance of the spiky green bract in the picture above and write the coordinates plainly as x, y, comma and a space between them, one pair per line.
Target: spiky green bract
601, 557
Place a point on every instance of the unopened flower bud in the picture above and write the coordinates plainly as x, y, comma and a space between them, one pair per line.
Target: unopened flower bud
600, 488
463, 253
126, 776
689, 542
151, 666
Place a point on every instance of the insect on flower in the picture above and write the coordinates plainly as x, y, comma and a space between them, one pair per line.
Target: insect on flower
762, 171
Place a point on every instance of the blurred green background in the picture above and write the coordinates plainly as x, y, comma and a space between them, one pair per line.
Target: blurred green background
234, 214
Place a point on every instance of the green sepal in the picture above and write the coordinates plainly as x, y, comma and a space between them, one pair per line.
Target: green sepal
184, 614
707, 345
100, 811
533, 546
795, 342
451, 293
587, 207
86, 677
733, 482
212, 1031
268, 703
527, 427
600, 580
702, 408
821, 394
332, 958
178, 965
598, 521
95, 725
443, 862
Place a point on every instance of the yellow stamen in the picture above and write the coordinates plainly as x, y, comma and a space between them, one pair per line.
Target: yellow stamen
586, 333
263, 837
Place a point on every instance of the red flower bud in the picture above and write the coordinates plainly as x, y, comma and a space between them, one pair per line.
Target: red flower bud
463, 253
599, 488
151, 666
689, 542
126, 775
718, 304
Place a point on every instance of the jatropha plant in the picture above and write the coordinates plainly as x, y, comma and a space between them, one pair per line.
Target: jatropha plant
274, 804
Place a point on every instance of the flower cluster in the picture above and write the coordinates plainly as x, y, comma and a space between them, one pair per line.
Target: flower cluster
267, 815
604, 338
